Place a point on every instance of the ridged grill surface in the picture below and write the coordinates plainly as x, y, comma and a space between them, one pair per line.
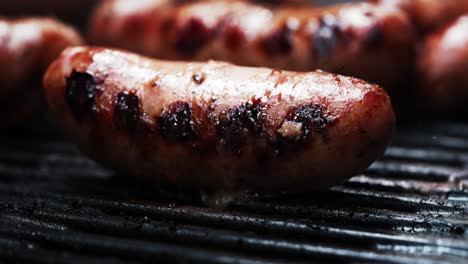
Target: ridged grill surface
56, 206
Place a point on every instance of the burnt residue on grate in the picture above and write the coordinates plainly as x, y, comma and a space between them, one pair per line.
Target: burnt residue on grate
410, 206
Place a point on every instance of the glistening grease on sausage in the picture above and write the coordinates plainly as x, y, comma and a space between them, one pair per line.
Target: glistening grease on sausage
372, 42
27, 46
218, 126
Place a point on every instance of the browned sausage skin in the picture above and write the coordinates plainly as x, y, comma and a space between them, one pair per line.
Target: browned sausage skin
27, 46
363, 40
429, 15
218, 126
284, 2
442, 68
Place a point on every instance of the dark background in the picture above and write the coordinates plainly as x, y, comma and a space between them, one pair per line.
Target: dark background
71, 11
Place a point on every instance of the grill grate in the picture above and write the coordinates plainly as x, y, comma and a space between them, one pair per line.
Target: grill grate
56, 206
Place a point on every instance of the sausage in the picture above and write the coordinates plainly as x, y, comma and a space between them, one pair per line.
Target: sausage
27, 46
429, 15
284, 2
442, 66
368, 41
213, 125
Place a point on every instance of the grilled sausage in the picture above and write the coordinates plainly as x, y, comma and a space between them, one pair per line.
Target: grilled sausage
442, 68
429, 15
218, 126
363, 40
27, 46
284, 2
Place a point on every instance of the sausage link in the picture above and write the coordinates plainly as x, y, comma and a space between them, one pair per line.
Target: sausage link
442, 66
218, 126
368, 41
429, 15
284, 2
27, 46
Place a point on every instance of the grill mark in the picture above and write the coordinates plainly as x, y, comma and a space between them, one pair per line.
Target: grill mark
235, 125
192, 37
279, 42
176, 122
271, 2
374, 37
326, 37
311, 119
234, 38
80, 93
127, 111
182, 2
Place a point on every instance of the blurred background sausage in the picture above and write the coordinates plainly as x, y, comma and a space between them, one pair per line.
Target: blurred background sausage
367, 41
429, 15
443, 69
27, 47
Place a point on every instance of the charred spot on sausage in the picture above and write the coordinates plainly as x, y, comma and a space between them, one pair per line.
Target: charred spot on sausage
299, 125
234, 38
311, 117
279, 42
176, 122
192, 36
80, 93
127, 111
181, 2
325, 38
374, 37
233, 126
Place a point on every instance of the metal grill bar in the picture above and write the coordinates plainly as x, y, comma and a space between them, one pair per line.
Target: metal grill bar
234, 241
174, 232
14, 253
101, 245
439, 128
415, 139
412, 206
234, 220
428, 156
437, 189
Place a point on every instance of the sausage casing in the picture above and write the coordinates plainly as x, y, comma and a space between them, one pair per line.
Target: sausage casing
372, 42
442, 67
218, 126
429, 15
27, 46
